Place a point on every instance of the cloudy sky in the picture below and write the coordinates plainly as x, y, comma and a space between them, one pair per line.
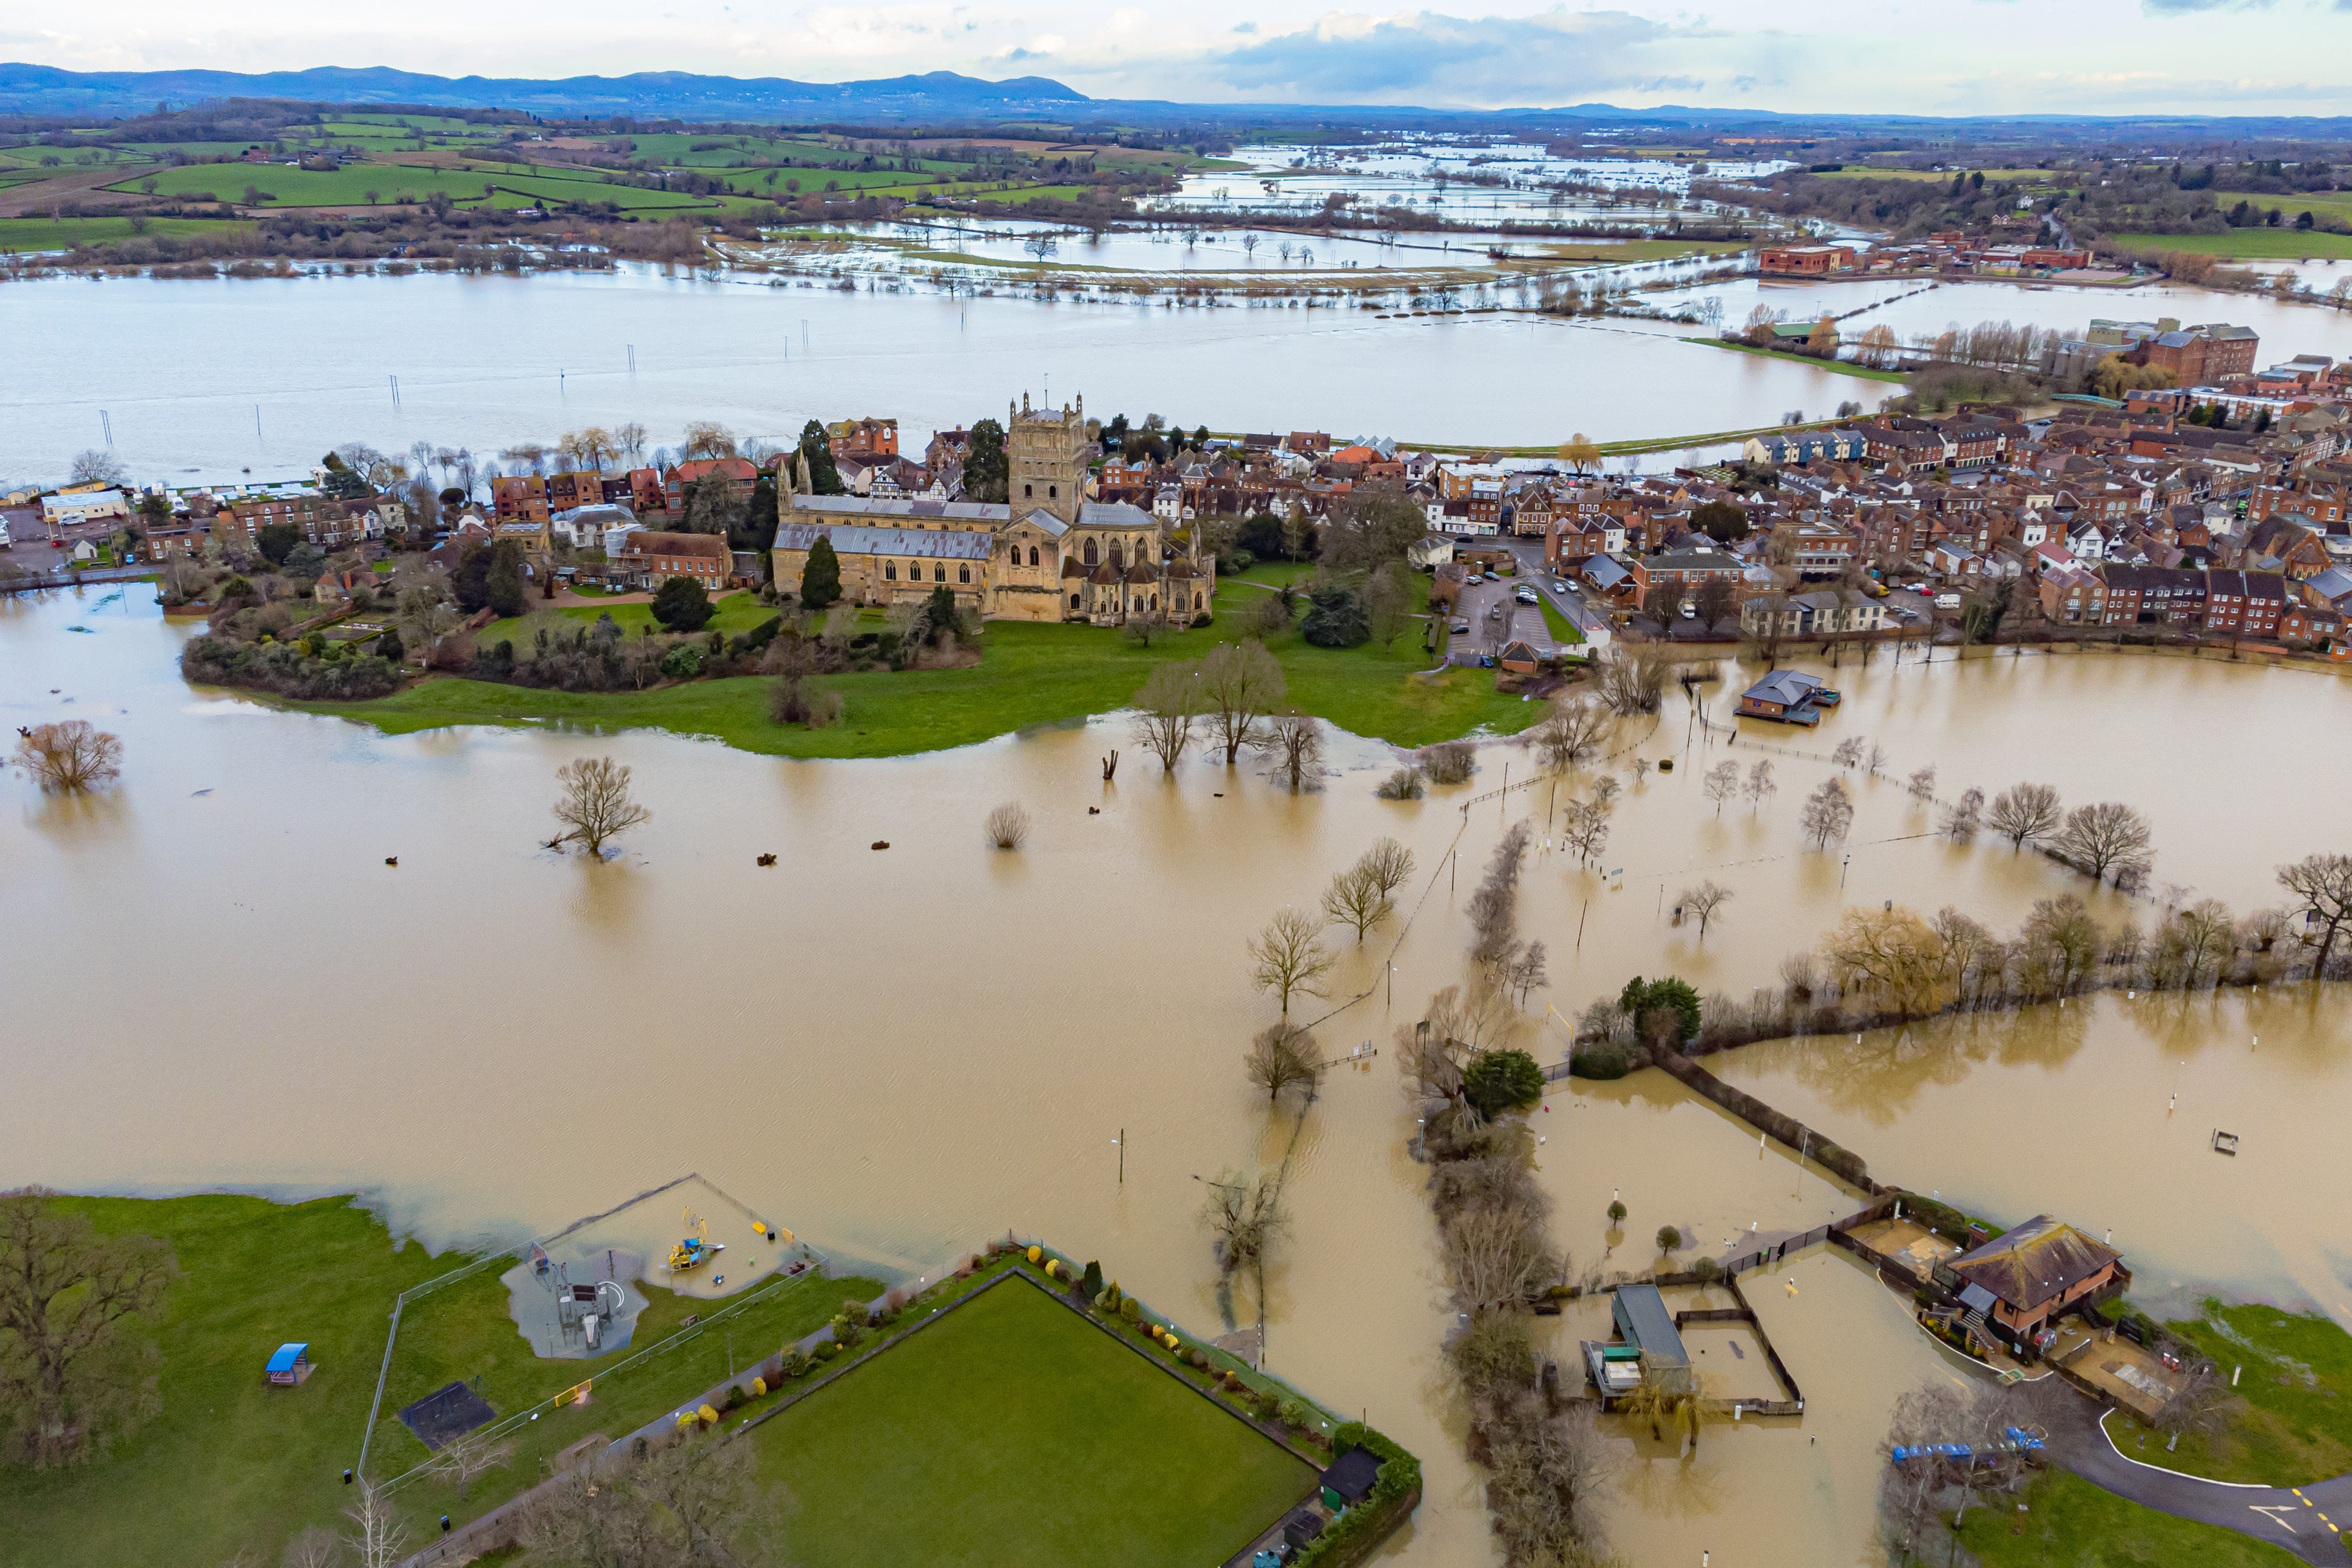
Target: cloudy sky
1929, 57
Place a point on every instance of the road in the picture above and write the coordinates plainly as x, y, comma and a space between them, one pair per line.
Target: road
2303, 1520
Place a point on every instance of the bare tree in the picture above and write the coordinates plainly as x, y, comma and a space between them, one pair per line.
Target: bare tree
1282, 1058
1245, 1215
1495, 1255
1828, 813
1923, 784
1165, 708
1388, 864
1876, 762
2107, 837
1295, 742
682, 1503
1240, 682
1577, 731
1288, 957
313, 1548
378, 1537
1632, 680
1908, 1493
1008, 826
595, 804
2024, 813
1722, 783
68, 757
1524, 971
1759, 786
1494, 907
1962, 820
72, 1373
1848, 751
2321, 885
469, 1458
629, 440
707, 438
1387, 609
1700, 904
1584, 827
1355, 898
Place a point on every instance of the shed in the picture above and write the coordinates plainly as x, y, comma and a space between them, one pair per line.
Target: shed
1518, 657
1301, 1525
291, 1364
1349, 1479
1641, 1317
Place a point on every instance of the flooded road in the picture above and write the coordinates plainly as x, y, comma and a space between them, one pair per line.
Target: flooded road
900, 1053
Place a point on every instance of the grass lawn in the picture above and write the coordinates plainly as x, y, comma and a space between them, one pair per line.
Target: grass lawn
2070, 1523
2297, 1426
1028, 675
463, 1333
63, 234
2245, 243
1013, 1431
737, 612
2321, 203
1835, 367
232, 1464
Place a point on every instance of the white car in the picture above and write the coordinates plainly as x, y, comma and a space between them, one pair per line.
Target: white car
1558, 586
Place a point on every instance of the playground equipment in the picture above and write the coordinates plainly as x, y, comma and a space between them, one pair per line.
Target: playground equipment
694, 1250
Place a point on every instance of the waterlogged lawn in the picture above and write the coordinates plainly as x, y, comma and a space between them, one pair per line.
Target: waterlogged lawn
2297, 1381
1013, 1431
2246, 244
736, 612
2070, 1523
1028, 675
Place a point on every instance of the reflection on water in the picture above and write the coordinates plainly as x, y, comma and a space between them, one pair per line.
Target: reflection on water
898, 1054
2072, 1110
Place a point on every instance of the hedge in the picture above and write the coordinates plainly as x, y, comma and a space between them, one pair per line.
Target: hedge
1355, 1534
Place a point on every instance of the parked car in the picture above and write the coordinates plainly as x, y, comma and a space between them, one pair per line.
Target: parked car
1947, 601
1527, 596
1558, 586
1690, 611
1475, 577
1459, 628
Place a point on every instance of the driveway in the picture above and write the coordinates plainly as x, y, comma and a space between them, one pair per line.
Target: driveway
1489, 631
2306, 1520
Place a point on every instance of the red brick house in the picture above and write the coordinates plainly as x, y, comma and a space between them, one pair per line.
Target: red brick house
650, 559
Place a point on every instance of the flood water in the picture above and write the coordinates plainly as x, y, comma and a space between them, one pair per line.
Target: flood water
267, 374
900, 1053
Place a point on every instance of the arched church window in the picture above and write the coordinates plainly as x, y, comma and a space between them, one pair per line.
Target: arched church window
1090, 551
1032, 555
890, 571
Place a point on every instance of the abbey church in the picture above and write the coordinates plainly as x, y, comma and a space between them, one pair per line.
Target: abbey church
1045, 553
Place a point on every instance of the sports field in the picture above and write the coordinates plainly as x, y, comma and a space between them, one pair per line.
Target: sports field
1013, 1431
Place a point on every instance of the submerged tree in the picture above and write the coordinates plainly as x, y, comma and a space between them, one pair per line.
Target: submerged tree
595, 805
68, 757
1288, 958
1165, 710
1284, 1058
2023, 813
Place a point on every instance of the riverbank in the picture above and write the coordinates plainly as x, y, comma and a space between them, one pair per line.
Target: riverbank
1028, 675
1834, 366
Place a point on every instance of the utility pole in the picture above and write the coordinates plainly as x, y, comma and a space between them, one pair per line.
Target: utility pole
1121, 1142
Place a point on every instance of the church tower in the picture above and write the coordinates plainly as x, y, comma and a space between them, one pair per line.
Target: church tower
1045, 458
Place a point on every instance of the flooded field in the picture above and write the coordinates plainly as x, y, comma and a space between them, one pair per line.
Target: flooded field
899, 1053
295, 367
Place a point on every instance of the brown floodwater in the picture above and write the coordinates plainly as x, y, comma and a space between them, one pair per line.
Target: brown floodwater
213, 979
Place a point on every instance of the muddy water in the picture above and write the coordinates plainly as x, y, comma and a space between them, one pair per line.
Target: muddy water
213, 979
2072, 1110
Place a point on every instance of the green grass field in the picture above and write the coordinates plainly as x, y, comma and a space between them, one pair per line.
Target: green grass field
63, 234
286, 186
1028, 675
2296, 1382
2323, 204
2070, 1523
2246, 244
1835, 367
233, 1465
464, 1333
1013, 1431
736, 612
1864, 172
230, 1464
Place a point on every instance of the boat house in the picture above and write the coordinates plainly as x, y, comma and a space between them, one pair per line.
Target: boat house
1651, 1350
2023, 1280
1788, 697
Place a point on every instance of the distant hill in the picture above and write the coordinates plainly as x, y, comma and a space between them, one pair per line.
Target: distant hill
940, 96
